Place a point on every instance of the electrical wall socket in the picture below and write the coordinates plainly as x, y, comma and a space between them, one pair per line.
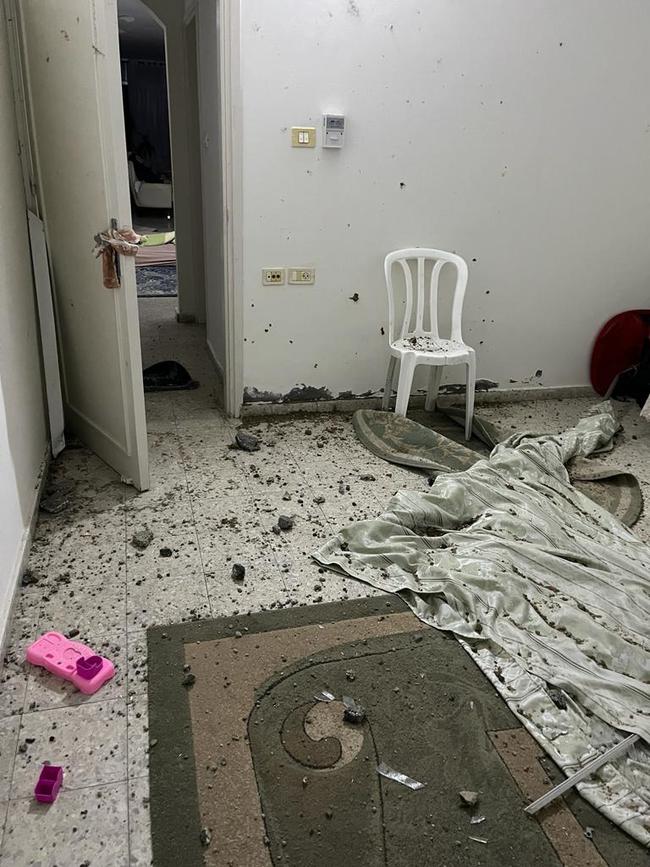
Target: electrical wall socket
272, 276
302, 275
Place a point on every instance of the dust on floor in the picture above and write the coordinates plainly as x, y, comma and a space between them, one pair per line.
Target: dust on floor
209, 507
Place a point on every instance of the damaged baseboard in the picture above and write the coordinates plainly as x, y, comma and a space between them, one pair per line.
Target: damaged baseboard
22, 555
495, 395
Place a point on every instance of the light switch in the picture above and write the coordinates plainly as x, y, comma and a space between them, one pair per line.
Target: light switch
303, 136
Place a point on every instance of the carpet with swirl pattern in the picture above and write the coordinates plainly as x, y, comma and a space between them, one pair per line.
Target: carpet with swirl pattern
249, 769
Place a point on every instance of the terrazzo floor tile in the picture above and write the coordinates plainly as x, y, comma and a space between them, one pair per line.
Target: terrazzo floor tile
89, 741
137, 668
169, 495
90, 546
13, 688
154, 600
139, 823
138, 736
306, 535
84, 605
9, 729
231, 536
83, 826
262, 584
173, 551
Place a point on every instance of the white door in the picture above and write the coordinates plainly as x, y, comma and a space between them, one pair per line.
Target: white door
72, 67
41, 272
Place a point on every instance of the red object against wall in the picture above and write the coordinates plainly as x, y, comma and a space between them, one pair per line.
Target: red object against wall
618, 346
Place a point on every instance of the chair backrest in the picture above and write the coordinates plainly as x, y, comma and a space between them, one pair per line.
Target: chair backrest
419, 256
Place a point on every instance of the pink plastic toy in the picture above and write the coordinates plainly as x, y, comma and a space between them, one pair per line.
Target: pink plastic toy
71, 660
49, 783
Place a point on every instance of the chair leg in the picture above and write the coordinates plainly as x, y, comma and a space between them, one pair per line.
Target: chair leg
469, 396
435, 376
388, 390
406, 371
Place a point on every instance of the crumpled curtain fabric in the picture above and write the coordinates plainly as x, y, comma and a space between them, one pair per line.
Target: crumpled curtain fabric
149, 110
546, 591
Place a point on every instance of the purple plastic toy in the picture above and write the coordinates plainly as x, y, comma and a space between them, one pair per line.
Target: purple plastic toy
71, 660
49, 783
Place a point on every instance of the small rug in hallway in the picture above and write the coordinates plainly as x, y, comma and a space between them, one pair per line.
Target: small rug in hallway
156, 281
248, 768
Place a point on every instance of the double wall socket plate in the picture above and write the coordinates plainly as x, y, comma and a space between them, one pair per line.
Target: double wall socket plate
302, 275
272, 276
303, 136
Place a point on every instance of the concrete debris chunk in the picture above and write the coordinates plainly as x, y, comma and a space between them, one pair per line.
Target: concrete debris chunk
285, 522
58, 499
246, 441
469, 799
189, 679
205, 837
238, 572
353, 712
30, 577
142, 538
368, 477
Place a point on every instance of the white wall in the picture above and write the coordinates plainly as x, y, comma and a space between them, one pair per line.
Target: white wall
181, 88
211, 168
22, 422
521, 132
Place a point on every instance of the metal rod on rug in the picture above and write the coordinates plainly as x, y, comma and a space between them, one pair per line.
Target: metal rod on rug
612, 753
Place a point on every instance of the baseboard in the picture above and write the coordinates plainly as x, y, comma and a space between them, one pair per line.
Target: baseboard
496, 395
22, 555
520, 395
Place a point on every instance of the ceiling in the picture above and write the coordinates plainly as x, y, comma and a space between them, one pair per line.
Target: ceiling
141, 36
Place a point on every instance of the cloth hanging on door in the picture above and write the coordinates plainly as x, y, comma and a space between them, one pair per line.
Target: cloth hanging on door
109, 245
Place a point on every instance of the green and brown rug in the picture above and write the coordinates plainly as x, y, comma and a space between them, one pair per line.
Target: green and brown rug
248, 769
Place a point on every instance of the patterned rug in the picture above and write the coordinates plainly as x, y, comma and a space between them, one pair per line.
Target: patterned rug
156, 281
248, 768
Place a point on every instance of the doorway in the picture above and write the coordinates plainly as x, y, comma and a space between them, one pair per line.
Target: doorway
164, 164
67, 74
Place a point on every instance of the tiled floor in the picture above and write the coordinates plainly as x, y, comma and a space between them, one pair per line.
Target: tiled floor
209, 507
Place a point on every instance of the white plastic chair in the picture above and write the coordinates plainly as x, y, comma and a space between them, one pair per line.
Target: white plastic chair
419, 345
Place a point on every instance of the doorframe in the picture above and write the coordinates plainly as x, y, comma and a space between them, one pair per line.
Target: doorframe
23, 114
231, 142
114, 165
230, 114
